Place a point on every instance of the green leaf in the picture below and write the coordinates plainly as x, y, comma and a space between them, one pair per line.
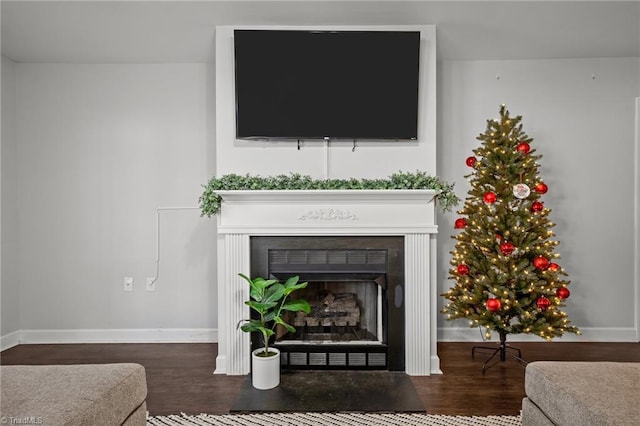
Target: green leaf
267, 332
260, 307
289, 328
297, 305
292, 285
291, 281
252, 325
273, 293
257, 287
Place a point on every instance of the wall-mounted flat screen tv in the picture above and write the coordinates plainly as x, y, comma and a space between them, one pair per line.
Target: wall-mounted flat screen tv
292, 84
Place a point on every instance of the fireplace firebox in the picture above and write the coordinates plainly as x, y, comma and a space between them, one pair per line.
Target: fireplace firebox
356, 290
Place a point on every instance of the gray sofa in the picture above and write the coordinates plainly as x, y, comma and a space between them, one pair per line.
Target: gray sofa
581, 394
82, 395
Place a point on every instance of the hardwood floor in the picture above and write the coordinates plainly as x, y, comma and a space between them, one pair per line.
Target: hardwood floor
180, 379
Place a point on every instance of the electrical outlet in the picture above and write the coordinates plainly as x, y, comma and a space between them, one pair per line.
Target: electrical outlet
151, 283
128, 283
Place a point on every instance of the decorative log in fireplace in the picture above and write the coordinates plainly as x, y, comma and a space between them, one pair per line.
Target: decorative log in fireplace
333, 310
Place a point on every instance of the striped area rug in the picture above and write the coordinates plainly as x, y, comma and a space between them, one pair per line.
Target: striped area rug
332, 419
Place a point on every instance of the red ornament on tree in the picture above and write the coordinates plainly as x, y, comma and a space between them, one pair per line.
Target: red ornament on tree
563, 292
507, 248
537, 206
541, 262
490, 197
543, 303
463, 269
493, 304
554, 267
471, 161
541, 188
460, 223
523, 147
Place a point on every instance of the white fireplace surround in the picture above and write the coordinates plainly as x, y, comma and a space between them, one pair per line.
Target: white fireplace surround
406, 213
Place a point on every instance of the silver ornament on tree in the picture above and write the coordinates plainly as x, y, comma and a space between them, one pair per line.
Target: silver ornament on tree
521, 190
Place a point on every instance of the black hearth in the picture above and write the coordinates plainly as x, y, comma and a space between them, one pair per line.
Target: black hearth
356, 289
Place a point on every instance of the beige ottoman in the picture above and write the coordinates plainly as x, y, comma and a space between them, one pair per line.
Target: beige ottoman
581, 394
82, 395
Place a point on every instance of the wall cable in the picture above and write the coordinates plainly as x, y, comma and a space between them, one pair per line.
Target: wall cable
158, 210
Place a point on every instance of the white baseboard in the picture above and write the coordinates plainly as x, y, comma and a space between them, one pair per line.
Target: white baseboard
168, 335
221, 365
589, 334
9, 340
210, 335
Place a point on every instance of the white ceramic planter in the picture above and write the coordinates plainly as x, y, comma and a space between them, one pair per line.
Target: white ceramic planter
265, 371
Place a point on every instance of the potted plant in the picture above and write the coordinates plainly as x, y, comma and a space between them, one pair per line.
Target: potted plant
269, 301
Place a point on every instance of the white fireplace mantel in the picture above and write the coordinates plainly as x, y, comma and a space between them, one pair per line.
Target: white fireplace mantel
407, 213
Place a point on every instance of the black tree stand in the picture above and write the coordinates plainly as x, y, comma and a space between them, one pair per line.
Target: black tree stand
503, 349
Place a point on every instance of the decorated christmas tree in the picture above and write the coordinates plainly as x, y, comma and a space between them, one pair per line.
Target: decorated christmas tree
507, 276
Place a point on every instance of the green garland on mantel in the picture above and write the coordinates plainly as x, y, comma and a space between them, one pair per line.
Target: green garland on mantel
210, 201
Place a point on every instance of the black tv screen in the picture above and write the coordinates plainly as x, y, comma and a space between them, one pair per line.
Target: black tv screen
292, 84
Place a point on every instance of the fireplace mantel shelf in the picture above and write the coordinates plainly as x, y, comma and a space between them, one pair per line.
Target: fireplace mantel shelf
407, 213
339, 212
315, 195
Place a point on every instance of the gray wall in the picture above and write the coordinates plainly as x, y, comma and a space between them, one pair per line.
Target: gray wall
581, 114
99, 148
9, 318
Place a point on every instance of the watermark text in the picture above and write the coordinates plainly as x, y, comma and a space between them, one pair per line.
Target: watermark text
22, 420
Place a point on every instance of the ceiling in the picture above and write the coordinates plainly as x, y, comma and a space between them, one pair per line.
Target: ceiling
184, 31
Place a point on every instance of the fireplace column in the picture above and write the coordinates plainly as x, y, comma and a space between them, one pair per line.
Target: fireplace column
233, 345
420, 305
